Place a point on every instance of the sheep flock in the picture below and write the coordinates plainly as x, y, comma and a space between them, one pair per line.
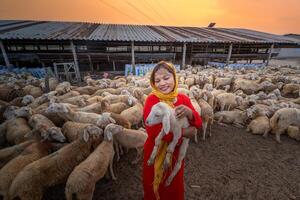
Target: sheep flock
73, 134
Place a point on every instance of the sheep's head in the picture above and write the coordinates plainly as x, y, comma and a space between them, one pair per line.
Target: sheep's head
125, 92
54, 133
110, 130
24, 112
27, 99
159, 114
104, 120
10, 112
57, 108
94, 133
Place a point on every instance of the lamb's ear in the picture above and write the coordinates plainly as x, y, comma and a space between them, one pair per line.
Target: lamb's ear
166, 123
86, 136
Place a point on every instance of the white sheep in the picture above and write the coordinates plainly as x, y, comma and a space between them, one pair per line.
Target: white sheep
282, 119
53, 169
134, 114
162, 113
82, 180
294, 132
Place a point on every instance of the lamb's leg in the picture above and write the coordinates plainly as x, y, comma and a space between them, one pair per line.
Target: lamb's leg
155, 148
196, 136
265, 135
211, 120
278, 133
182, 152
204, 127
171, 147
121, 149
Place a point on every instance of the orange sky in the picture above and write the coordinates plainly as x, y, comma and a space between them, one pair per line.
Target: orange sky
272, 16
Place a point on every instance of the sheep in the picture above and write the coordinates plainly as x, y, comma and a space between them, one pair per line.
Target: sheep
92, 108
228, 100
197, 108
134, 114
11, 152
69, 115
71, 130
207, 115
15, 129
30, 154
294, 132
82, 180
236, 117
127, 138
221, 82
77, 100
247, 86
282, 119
260, 123
128, 99
89, 90
22, 101
162, 113
63, 88
13, 112
120, 120
33, 91
114, 108
94, 99
53, 169
291, 89
52, 84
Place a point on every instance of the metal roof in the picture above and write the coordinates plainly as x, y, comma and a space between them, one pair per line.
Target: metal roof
41, 30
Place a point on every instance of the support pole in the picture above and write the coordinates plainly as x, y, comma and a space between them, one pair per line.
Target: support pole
75, 61
183, 56
229, 54
114, 66
270, 54
4, 54
132, 57
91, 63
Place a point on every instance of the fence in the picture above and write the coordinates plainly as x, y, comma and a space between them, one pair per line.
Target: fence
36, 72
236, 65
142, 69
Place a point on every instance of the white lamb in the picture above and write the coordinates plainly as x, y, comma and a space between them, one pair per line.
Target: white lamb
162, 113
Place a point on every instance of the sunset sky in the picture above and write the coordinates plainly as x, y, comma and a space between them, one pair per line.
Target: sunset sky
274, 16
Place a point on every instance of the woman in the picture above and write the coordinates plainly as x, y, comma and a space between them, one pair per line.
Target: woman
164, 85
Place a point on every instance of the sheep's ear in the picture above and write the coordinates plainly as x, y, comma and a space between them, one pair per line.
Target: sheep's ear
166, 123
109, 135
112, 120
86, 136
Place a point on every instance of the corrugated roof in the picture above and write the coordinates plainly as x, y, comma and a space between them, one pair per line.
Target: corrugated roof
14, 29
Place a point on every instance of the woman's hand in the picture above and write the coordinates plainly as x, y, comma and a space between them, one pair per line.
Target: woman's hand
183, 111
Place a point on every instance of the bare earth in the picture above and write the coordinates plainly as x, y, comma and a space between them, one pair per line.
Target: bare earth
232, 164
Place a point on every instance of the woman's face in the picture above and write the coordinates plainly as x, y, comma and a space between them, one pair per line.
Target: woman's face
164, 81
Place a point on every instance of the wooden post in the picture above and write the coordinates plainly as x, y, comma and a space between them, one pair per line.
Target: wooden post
270, 54
183, 56
75, 61
229, 54
47, 87
132, 57
114, 66
91, 63
4, 54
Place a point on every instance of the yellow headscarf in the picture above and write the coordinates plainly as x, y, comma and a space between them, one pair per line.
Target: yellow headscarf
162, 151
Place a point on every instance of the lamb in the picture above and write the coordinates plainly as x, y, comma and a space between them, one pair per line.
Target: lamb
81, 182
128, 138
22, 101
221, 82
92, 108
128, 99
282, 119
120, 120
291, 89
52, 84
162, 113
13, 112
33, 91
53, 169
69, 115
30, 154
247, 86
89, 90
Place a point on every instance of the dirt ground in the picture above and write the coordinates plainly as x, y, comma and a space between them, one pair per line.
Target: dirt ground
232, 164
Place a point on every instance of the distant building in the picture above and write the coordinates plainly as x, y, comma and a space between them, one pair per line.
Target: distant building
293, 53
108, 47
